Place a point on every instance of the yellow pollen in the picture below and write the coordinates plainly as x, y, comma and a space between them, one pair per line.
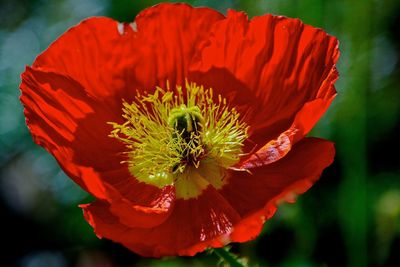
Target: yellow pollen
181, 137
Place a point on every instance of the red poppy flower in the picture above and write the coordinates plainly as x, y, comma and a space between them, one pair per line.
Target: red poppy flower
187, 126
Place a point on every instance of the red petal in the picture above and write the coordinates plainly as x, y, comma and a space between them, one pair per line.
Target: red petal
56, 107
193, 225
99, 56
282, 63
72, 127
303, 122
60, 105
257, 193
271, 152
111, 60
209, 220
139, 204
169, 35
76, 86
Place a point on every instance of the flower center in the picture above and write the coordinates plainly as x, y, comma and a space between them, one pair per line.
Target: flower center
187, 124
181, 137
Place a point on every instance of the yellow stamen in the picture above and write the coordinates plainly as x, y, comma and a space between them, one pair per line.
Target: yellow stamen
181, 137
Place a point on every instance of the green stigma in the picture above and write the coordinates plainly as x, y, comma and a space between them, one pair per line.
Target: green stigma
188, 124
186, 119
182, 138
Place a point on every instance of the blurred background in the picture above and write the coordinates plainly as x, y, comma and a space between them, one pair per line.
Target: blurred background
351, 217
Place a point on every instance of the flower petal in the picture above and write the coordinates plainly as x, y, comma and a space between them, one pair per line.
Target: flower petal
271, 152
68, 123
256, 193
169, 35
54, 106
281, 62
111, 60
303, 122
284, 68
98, 56
77, 85
193, 225
213, 220
140, 205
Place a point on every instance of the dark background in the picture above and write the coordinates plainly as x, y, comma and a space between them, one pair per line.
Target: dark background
351, 217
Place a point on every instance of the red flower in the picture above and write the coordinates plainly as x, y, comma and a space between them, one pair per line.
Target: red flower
179, 170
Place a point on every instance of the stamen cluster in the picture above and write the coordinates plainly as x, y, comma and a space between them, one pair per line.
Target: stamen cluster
169, 131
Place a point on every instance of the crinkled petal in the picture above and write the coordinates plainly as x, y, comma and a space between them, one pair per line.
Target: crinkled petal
77, 85
98, 54
193, 225
111, 60
169, 35
54, 107
143, 206
66, 121
293, 174
282, 65
235, 214
285, 69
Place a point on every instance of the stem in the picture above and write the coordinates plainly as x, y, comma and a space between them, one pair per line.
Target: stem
228, 257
